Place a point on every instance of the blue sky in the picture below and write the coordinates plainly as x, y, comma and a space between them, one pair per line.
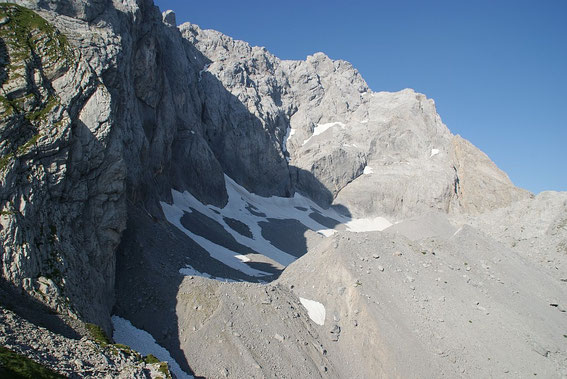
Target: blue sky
497, 70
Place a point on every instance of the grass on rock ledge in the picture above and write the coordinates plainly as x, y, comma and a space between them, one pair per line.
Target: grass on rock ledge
14, 365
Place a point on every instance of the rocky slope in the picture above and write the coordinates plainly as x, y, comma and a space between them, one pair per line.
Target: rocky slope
73, 358
137, 157
434, 307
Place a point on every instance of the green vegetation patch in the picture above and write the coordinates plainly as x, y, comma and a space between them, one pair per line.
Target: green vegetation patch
5, 160
13, 365
97, 334
20, 150
164, 369
9, 106
41, 113
25, 29
27, 145
151, 359
30, 42
126, 350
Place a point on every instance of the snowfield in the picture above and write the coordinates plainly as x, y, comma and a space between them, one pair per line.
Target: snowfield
251, 210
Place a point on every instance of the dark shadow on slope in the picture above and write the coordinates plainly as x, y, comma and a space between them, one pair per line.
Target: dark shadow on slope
37, 313
253, 210
206, 227
323, 220
287, 235
266, 267
4, 61
238, 226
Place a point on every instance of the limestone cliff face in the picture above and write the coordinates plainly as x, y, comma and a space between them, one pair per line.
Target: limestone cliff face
331, 126
62, 175
481, 183
107, 105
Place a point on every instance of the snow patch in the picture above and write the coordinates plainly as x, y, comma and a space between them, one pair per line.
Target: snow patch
173, 214
203, 70
273, 207
142, 341
315, 310
190, 271
367, 170
320, 128
367, 224
434, 152
288, 133
239, 206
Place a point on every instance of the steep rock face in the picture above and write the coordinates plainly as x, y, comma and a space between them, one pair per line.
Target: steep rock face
331, 126
481, 184
62, 174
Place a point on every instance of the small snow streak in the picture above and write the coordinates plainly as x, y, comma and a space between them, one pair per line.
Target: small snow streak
360, 225
315, 310
320, 128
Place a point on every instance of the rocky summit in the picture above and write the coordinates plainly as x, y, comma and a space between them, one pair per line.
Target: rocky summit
177, 203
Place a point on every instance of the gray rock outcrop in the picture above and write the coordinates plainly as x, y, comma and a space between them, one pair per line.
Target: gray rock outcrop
63, 176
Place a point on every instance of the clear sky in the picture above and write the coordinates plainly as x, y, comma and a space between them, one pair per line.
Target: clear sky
497, 69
